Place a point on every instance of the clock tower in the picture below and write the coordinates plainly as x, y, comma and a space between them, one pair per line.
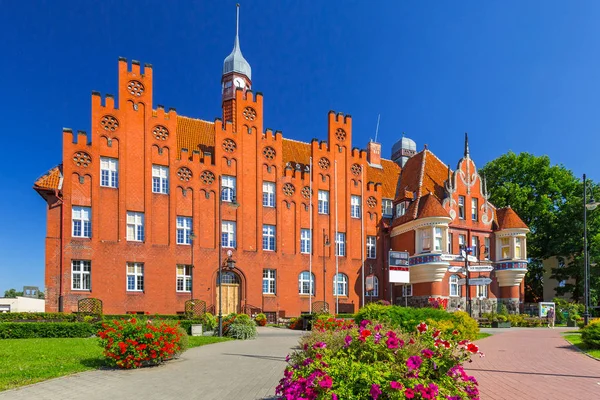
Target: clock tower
237, 73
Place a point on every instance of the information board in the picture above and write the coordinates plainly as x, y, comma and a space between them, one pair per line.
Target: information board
398, 261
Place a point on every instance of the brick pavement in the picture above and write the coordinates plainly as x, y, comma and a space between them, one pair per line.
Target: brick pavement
534, 363
241, 370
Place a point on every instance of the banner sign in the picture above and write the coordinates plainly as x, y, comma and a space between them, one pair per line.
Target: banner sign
369, 283
398, 261
480, 268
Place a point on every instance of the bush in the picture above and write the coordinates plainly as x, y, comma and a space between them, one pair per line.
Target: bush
38, 316
370, 361
407, 318
136, 342
242, 327
26, 330
295, 324
261, 319
345, 316
208, 321
590, 335
329, 323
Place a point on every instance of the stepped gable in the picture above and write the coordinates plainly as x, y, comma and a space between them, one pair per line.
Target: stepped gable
387, 175
508, 219
50, 180
195, 134
430, 206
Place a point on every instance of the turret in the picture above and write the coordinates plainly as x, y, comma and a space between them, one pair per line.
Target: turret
403, 149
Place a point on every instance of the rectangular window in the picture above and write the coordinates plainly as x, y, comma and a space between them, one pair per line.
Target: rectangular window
355, 206
474, 209
160, 179
228, 186
450, 242
487, 248
475, 245
461, 241
371, 247
268, 194
268, 281
426, 240
135, 226
228, 234
82, 224
482, 291
518, 248
406, 290
81, 271
305, 241
437, 239
184, 230
340, 244
505, 248
323, 202
109, 172
184, 278
400, 209
135, 277
269, 237
387, 208
461, 207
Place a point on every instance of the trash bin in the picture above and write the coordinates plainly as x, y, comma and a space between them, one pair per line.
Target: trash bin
307, 321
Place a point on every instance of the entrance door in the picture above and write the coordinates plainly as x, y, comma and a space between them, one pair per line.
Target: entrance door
231, 293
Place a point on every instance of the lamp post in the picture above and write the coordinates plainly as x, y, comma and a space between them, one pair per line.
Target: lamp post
325, 244
465, 253
587, 205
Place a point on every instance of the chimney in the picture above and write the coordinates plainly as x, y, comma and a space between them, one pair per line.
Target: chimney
374, 153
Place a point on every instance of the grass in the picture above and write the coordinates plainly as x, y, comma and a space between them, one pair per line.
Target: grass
27, 361
482, 335
575, 339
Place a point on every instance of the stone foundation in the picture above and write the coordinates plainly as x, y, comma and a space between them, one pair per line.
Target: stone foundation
480, 306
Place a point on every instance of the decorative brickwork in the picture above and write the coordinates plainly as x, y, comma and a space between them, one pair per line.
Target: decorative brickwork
229, 145
324, 163
109, 123
372, 202
184, 174
288, 189
340, 134
306, 192
160, 132
207, 177
82, 159
249, 113
136, 88
355, 169
269, 153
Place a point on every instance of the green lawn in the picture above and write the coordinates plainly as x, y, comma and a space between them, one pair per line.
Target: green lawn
482, 335
27, 361
575, 339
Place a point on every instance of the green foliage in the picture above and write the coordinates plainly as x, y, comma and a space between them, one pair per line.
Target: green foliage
23, 330
12, 293
242, 327
209, 322
407, 318
590, 335
38, 316
261, 319
295, 323
345, 316
195, 341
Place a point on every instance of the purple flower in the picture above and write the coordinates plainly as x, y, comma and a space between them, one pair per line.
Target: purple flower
334, 396
348, 340
326, 382
427, 353
377, 338
375, 391
392, 342
414, 362
395, 385
364, 323
319, 345
307, 361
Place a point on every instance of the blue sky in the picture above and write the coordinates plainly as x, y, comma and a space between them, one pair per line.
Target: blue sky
521, 76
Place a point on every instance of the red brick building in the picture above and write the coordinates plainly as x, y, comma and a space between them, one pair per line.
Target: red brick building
138, 209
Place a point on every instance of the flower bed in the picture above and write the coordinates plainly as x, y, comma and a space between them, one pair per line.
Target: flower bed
135, 343
372, 361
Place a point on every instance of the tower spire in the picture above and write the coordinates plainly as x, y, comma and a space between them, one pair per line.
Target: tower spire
236, 44
466, 145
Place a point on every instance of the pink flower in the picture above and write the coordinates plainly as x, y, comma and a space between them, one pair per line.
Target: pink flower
326, 382
334, 396
319, 345
347, 340
392, 343
427, 353
409, 393
375, 391
414, 362
396, 385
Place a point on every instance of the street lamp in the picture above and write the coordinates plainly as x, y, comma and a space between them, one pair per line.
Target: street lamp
325, 244
587, 205
464, 251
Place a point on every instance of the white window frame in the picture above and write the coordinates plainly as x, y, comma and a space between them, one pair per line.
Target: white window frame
405, 292
355, 208
474, 208
305, 241
340, 244
160, 179
228, 185
453, 284
135, 271
449, 243
184, 230
81, 272
426, 240
518, 249
475, 246
400, 209
228, 232
387, 208
461, 241
109, 172
461, 207
482, 291
323, 201
488, 249
438, 237
268, 194
375, 291
81, 216
269, 239
371, 246
135, 226
505, 244
304, 284
340, 281
183, 281
269, 278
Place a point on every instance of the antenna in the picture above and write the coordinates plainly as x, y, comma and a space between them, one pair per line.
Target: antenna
377, 129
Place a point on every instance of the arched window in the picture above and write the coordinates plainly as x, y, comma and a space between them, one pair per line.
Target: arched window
306, 280
340, 285
375, 291
454, 285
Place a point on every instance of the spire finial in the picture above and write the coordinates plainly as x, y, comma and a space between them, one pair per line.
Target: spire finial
466, 144
237, 25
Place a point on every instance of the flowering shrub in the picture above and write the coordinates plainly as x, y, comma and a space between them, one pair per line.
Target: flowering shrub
261, 319
295, 323
329, 323
134, 343
372, 361
438, 303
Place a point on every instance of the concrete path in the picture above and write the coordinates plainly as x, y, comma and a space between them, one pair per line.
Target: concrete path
241, 370
534, 363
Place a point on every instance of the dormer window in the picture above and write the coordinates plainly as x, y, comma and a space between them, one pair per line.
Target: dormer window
387, 208
400, 209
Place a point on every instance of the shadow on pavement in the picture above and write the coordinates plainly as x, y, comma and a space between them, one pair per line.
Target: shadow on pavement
534, 373
274, 358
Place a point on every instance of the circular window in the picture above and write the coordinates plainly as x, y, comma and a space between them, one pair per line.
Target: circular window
269, 153
288, 189
135, 88
305, 192
324, 163
207, 177
355, 169
82, 159
340, 134
249, 113
372, 202
229, 145
109, 123
184, 174
160, 132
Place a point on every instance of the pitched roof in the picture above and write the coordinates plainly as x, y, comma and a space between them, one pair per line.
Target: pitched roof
194, 134
51, 179
296, 152
430, 206
508, 218
388, 175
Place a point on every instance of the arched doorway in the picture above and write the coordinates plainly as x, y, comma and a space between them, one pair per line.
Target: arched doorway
231, 293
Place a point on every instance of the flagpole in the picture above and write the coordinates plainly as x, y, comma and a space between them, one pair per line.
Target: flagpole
337, 258
310, 210
362, 231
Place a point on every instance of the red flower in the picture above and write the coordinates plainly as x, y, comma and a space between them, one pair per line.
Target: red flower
365, 333
422, 327
148, 336
473, 348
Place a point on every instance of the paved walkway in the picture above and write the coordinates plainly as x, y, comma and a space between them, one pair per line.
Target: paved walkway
240, 370
534, 363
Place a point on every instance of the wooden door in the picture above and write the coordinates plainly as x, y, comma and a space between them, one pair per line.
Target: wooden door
231, 298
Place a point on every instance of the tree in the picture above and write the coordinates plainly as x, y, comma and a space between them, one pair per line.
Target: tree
549, 199
12, 293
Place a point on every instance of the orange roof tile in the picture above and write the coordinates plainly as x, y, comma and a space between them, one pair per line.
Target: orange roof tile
508, 218
388, 176
295, 152
51, 179
195, 134
430, 206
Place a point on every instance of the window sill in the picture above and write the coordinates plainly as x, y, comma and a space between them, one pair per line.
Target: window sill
135, 292
179, 292
160, 193
306, 295
82, 290
269, 294
183, 244
81, 238
109, 187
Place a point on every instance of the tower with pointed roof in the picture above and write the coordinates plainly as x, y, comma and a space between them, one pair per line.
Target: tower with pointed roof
237, 74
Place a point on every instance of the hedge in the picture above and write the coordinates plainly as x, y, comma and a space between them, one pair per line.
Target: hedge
38, 316
19, 330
